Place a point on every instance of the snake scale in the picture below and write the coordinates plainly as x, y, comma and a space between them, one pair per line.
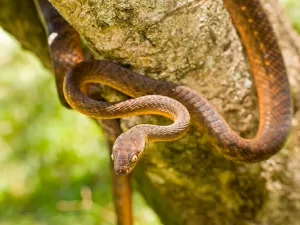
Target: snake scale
269, 75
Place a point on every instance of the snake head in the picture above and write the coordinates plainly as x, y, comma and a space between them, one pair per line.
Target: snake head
127, 150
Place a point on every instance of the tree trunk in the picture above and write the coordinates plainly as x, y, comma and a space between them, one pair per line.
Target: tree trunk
193, 43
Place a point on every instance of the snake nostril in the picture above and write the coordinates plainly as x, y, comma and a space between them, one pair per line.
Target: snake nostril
122, 171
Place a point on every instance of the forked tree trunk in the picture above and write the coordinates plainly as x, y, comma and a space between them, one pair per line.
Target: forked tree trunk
192, 43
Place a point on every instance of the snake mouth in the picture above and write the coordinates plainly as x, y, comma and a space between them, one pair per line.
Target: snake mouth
122, 170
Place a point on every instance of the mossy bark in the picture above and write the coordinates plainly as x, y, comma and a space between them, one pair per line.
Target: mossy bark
192, 43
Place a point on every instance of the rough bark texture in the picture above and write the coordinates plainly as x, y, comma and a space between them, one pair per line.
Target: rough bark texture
193, 43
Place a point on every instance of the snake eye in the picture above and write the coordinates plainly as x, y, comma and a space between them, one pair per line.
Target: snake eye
134, 158
112, 157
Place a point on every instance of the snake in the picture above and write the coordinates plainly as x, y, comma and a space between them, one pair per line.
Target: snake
151, 96
62, 35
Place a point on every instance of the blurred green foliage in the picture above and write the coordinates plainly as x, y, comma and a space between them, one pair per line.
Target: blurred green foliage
292, 8
51, 158
54, 166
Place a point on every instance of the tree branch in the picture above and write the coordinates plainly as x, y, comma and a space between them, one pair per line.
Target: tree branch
20, 19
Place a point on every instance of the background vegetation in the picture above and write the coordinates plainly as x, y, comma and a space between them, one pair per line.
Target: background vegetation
54, 166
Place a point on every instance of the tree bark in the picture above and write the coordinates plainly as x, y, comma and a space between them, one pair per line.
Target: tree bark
19, 18
195, 44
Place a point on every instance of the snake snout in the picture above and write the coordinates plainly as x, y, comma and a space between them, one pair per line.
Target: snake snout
122, 170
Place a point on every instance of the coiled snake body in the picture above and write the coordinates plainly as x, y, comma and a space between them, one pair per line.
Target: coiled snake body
270, 79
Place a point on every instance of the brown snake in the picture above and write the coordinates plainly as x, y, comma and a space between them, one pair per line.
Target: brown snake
268, 72
64, 43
